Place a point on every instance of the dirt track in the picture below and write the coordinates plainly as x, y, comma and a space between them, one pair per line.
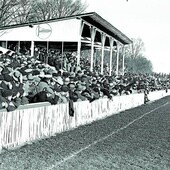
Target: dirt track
126, 141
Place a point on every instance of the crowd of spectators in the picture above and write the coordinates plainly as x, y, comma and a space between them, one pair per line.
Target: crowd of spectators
25, 79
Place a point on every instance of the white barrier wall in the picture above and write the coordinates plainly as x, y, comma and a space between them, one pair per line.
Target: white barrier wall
38, 121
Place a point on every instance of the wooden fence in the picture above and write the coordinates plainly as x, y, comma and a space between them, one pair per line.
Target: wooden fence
37, 121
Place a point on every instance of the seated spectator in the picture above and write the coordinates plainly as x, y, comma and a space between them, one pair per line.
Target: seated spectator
43, 96
44, 84
28, 78
8, 104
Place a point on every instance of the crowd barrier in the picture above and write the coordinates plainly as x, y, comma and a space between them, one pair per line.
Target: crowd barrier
41, 120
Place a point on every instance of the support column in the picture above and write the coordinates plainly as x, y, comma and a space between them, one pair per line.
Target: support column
111, 55
123, 60
62, 54
117, 62
78, 52
47, 53
6, 46
103, 44
79, 44
93, 33
19, 43
32, 48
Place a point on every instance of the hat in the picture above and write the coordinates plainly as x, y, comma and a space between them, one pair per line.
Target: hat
40, 66
35, 72
1, 65
24, 78
17, 74
55, 74
59, 80
67, 79
29, 70
72, 74
14, 91
7, 59
24, 62
66, 74
57, 89
1, 77
8, 78
74, 97
71, 84
6, 93
50, 71
36, 79
5, 71
64, 88
86, 93
48, 90
10, 108
84, 77
48, 76
30, 77
41, 74
96, 90
80, 87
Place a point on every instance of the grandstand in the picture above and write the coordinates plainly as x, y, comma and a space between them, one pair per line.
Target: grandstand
39, 100
75, 33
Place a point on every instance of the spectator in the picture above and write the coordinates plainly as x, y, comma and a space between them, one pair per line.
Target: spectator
30, 80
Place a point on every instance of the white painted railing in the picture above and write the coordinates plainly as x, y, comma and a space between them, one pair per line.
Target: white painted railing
37, 121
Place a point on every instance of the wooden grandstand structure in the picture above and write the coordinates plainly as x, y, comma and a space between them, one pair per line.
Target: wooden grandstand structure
76, 33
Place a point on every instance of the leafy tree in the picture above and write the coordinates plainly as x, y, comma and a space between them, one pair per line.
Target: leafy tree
141, 65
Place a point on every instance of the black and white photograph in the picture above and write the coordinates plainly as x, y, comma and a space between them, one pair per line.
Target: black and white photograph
84, 85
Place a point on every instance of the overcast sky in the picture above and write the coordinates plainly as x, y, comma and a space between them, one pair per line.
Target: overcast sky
145, 19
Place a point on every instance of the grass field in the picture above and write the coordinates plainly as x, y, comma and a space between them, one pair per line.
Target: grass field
135, 139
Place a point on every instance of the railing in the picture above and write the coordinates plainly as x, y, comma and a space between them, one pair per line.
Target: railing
41, 120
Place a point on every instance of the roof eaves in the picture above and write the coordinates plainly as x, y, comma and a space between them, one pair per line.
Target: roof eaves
113, 29
46, 21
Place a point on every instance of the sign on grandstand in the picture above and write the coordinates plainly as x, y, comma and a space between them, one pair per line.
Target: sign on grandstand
44, 31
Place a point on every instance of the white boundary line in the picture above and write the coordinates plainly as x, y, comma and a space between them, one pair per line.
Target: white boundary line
102, 139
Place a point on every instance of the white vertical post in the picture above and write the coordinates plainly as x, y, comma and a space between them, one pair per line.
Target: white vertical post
93, 32
6, 44
111, 56
103, 45
79, 43
117, 62
94, 61
18, 46
123, 60
62, 54
47, 46
32, 48
47, 52
78, 52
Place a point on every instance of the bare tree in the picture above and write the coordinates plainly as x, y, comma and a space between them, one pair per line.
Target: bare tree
137, 47
22, 13
135, 59
6, 11
49, 9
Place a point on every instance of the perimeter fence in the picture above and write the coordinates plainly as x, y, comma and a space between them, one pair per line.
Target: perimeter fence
41, 120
